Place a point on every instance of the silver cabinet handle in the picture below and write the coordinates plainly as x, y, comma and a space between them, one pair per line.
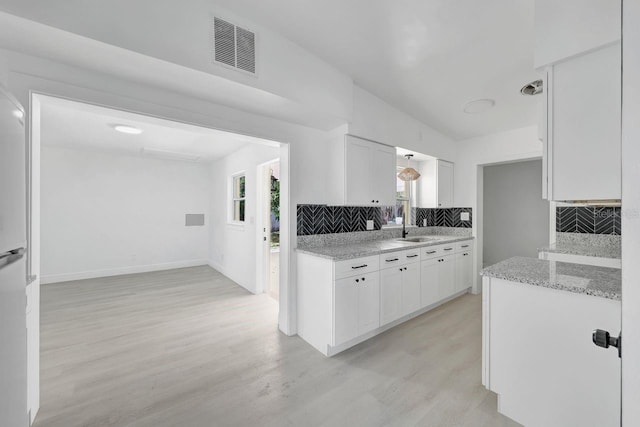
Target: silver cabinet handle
448, 249
391, 260
359, 266
431, 252
411, 256
464, 246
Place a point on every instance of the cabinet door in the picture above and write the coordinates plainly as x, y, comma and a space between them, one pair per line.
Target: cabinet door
345, 310
429, 282
383, 175
411, 288
369, 303
585, 126
464, 267
446, 276
390, 295
358, 172
445, 184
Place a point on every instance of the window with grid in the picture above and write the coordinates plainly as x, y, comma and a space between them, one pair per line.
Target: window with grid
238, 198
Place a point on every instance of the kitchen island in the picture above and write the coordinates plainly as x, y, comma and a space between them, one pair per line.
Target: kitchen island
538, 355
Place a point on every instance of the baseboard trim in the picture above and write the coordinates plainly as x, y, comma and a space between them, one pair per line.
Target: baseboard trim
226, 273
65, 277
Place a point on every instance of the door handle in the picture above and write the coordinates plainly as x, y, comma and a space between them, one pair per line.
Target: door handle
19, 252
605, 340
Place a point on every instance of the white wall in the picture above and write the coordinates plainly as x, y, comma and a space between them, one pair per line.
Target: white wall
105, 214
376, 120
232, 247
515, 217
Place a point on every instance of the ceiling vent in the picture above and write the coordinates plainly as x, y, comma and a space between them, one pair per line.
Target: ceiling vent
233, 46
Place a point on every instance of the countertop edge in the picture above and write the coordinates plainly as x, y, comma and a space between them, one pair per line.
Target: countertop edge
372, 252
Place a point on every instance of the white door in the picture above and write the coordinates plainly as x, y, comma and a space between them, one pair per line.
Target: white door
358, 172
464, 274
630, 217
411, 288
445, 184
390, 294
368, 303
446, 276
383, 175
346, 309
429, 282
13, 266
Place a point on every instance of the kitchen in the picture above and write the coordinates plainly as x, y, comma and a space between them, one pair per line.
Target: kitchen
351, 280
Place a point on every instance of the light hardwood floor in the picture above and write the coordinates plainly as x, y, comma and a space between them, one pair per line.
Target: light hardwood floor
188, 347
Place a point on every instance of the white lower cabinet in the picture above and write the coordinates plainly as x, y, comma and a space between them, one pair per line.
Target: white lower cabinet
411, 288
429, 282
390, 294
342, 303
464, 270
356, 306
446, 276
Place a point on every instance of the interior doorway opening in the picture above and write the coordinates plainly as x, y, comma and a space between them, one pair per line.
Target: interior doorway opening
268, 232
152, 165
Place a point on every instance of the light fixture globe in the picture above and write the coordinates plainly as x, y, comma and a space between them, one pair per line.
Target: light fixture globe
408, 173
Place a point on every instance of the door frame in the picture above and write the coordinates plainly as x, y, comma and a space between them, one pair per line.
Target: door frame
262, 249
630, 213
478, 208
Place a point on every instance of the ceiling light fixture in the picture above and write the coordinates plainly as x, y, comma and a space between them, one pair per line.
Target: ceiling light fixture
479, 106
408, 173
130, 130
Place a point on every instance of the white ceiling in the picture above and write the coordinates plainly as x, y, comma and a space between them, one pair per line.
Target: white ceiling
76, 125
426, 57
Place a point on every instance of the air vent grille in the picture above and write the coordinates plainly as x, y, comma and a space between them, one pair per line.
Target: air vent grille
233, 46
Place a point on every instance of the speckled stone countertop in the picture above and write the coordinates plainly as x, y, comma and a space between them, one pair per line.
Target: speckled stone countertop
375, 247
602, 282
576, 249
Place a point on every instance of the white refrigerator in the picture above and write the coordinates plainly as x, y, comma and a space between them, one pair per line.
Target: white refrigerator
13, 266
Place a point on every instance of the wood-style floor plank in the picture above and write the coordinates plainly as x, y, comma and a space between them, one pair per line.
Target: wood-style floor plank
189, 347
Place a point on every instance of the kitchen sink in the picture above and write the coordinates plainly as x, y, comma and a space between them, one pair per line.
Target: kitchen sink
417, 239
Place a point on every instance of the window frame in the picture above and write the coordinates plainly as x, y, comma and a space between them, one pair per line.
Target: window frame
233, 198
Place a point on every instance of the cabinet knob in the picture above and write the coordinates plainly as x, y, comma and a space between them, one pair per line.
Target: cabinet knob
377, 201
357, 280
363, 279
373, 201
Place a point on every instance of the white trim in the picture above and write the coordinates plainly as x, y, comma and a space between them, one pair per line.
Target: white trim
65, 277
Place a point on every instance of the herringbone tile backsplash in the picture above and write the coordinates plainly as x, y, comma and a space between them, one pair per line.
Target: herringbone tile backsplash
323, 219
588, 219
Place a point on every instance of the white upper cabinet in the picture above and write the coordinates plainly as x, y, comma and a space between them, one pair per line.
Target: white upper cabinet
567, 28
445, 184
435, 186
370, 173
582, 142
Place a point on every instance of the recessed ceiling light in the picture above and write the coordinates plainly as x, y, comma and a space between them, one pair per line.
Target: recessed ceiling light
131, 130
18, 114
479, 106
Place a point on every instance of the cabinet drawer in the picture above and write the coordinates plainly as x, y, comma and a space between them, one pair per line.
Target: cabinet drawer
400, 257
464, 246
356, 266
431, 252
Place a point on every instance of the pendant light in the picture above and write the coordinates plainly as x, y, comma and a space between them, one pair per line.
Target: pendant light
408, 173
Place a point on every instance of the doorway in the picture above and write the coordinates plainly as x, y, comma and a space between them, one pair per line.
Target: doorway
513, 206
268, 232
62, 265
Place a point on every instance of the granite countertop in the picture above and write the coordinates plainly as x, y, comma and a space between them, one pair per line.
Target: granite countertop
585, 250
375, 247
602, 282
